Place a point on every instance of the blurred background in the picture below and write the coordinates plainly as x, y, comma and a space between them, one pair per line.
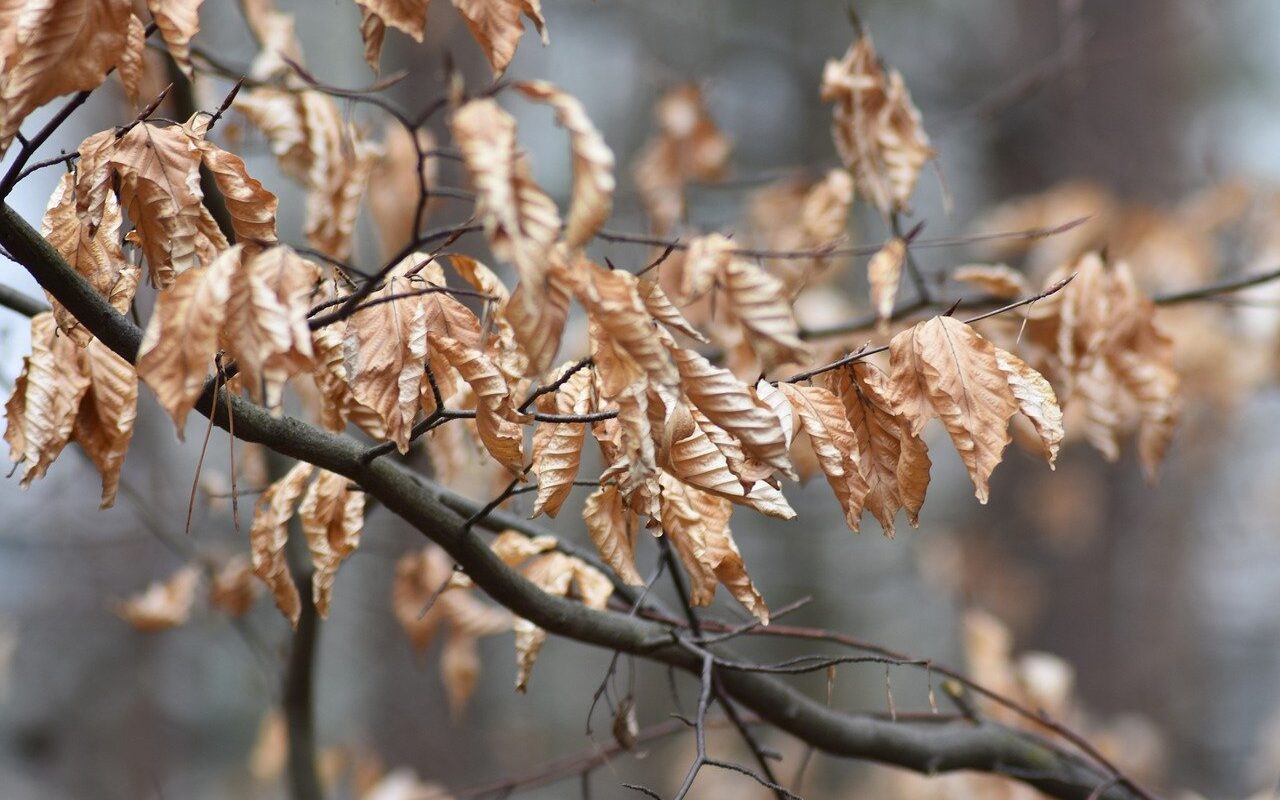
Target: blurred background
1162, 599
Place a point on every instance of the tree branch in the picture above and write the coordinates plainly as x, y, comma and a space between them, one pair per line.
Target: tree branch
926, 748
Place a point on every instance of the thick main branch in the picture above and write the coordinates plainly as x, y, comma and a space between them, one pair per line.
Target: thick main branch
927, 747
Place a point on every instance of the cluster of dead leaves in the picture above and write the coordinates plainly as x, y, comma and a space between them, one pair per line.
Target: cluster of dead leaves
169, 603
495, 24
876, 128
688, 146
1097, 340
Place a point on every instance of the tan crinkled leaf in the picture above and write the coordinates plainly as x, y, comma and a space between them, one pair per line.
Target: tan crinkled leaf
104, 425
332, 517
635, 465
234, 589
663, 310
593, 163
893, 461
53, 47
521, 222
181, 339
884, 273
1036, 401
689, 454
876, 127
496, 418
496, 26
165, 604
557, 446
537, 317
612, 300
373, 32
529, 640
159, 169
824, 215
407, 16
772, 397
94, 177
269, 535
41, 412
942, 367
995, 280
730, 404
132, 63
179, 22
316, 147
95, 254
721, 552
758, 302
684, 525
706, 259
385, 350
266, 328
821, 415
330, 375
687, 146
252, 208
610, 526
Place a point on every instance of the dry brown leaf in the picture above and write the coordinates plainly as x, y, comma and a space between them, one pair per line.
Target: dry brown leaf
884, 273
610, 525
758, 302
684, 526
407, 16
876, 127
721, 553
132, 63
178, 347
316, 147
521, 222
179, 22
893, 460
234, 589
41, 412
252, 208
731, 405
165, 604
332, 517
266, 328
1036, 401
386, 348
496, 26
94, 253
688, 146
104, 424
660, 307
1097, 339
159, 169
942, 367
690, 455
593, 163
995, 280
422, 601
53, 47
496, 418
612, 300
269, 535
706, 259
557, 446
373, 32
822, 417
